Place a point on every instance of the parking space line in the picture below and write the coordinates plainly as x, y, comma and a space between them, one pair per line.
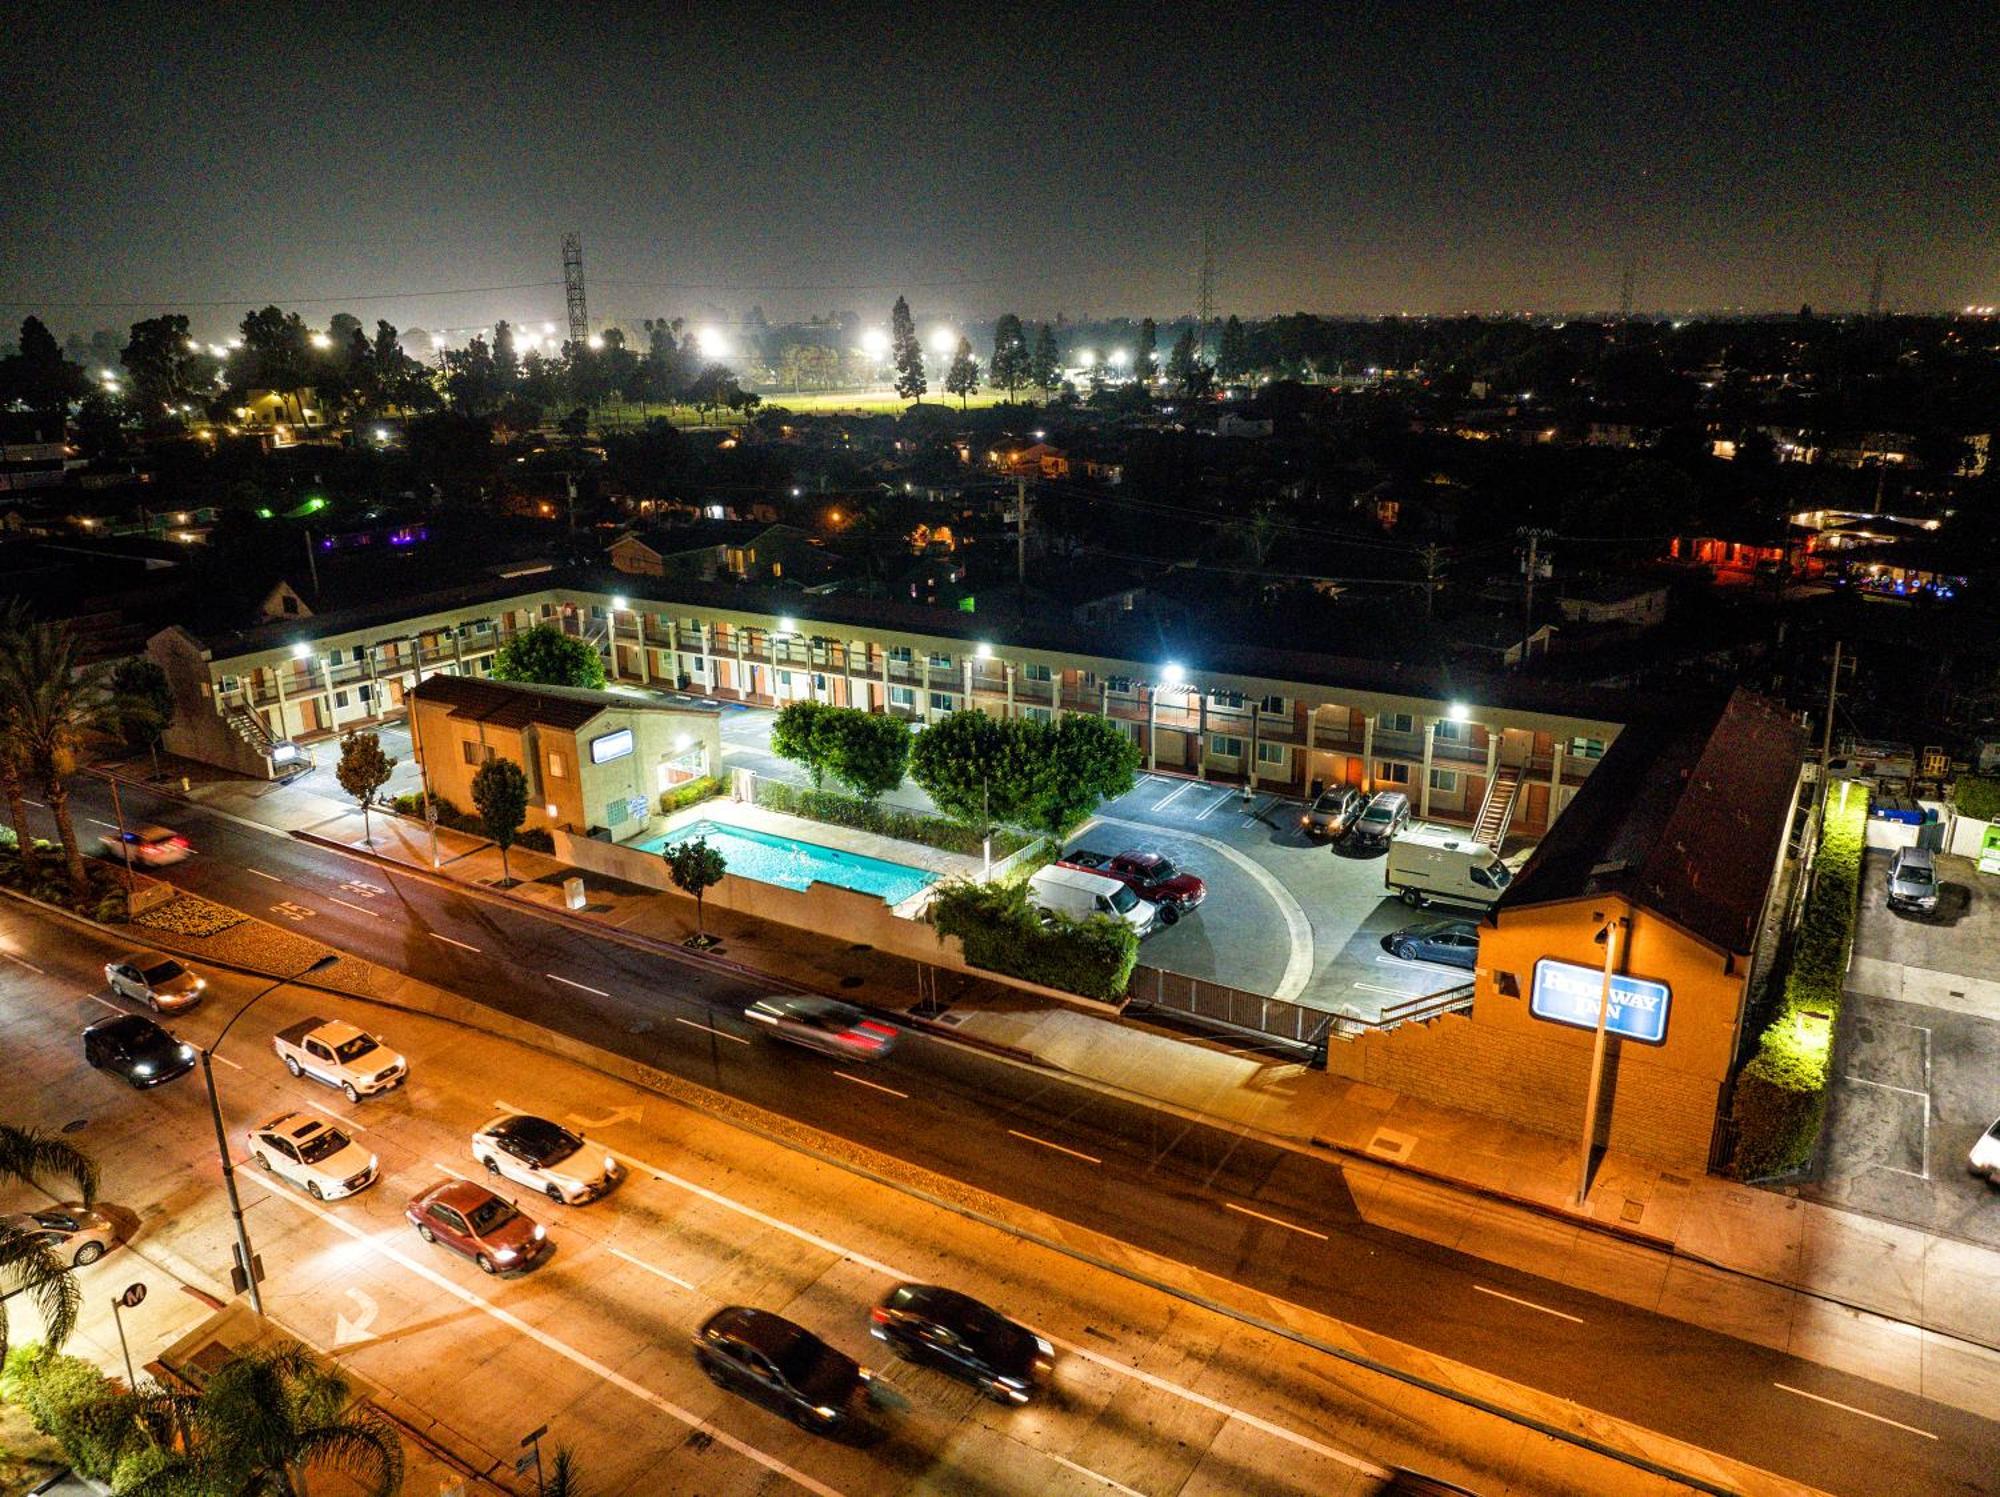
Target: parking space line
450, 942
1530, 1304
873, 1086
1097, 1476
577, 985
20, 963
1059, 1148
1215, 805
696, 1024
1850, 1408
448, 1170
656, 1272
100, 998
1276, 1221
1908, 1091
1374, 987
1167, 800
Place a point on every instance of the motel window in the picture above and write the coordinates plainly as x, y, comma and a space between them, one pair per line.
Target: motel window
1225, 747
340, 699
1230, 699
697, 665
475, 752
1035, 672
1587, 748
899, 654
228, 683
902, 696
1036, 714
941, 701
1271, 753
1449, 731
1395, 722
785, 680
940, 662
365, 694
1276, 706
556, 770
1119, 686
1445, 780
1391, 774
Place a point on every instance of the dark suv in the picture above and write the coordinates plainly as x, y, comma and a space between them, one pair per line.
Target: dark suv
1387, 814
783, 1366
958, 1335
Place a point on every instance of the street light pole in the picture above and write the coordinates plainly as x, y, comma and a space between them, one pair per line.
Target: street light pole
320, 964
1609, 936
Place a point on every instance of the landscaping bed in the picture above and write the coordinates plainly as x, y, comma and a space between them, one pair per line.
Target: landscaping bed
835, 809
534, 838
1002, 932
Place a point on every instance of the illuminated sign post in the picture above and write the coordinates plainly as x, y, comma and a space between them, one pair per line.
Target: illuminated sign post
1569, 994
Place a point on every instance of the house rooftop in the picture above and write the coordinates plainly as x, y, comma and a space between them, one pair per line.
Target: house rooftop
515, 704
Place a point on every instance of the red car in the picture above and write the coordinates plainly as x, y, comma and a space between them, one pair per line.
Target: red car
1152, 876
471, 1219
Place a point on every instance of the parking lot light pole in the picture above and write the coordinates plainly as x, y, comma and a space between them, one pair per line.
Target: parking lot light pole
1608, 938
320, 964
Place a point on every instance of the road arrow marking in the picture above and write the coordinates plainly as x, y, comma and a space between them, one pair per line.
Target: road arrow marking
345, 1331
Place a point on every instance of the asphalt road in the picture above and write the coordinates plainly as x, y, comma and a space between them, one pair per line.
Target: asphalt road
1268, 1218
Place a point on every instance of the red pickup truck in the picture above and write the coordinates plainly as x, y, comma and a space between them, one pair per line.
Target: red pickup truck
1152, 876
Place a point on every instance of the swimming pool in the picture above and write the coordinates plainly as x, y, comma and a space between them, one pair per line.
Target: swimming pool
792, 864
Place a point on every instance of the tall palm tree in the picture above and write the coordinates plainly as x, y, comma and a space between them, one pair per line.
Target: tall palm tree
39, 1271
263, 1424
53, 704
14, 764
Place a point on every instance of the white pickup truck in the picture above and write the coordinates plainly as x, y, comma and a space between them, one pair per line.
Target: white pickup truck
341, 1055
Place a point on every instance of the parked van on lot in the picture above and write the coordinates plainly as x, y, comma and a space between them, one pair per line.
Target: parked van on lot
1079, 894
1443, 865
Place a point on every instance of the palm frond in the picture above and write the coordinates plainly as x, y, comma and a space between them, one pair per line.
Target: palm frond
363, 1445
32, 1156
40, 1273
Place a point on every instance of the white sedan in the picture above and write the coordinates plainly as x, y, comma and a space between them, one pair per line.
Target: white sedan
313, 1153
545, 1156
1985, 1158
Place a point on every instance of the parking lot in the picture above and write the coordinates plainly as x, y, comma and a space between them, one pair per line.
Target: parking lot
1917, 1058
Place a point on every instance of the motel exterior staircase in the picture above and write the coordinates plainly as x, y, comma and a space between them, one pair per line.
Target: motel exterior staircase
1497, 813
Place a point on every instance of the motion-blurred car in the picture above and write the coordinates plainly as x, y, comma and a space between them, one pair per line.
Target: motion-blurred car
155, 978
468, 1218
959, 1336
154, 846
136, 1048
1452, 943
783, 1366
1985, 1157
77, 1233
823, 1024
545, 1156
1333, 812
313, 1153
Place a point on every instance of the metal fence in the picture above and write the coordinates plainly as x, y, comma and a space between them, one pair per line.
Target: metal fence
1215, 1003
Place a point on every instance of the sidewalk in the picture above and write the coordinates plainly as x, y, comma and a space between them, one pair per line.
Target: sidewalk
1906, 1308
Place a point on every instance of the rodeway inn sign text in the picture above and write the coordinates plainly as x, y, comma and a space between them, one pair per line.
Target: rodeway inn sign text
1569, 994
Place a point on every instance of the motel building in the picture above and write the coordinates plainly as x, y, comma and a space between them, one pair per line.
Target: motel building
1663, 830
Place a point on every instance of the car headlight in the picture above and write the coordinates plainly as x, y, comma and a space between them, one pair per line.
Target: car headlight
187, 1052
143, 1068
610, 1165
374, 1161
541, 1233
824, 1412
505, 1255
1043, 1347
200, 983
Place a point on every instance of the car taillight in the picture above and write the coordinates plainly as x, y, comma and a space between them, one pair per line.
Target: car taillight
179, 841
875, 1031
879, 1315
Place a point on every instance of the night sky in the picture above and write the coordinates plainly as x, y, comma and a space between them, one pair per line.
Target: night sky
1351, 158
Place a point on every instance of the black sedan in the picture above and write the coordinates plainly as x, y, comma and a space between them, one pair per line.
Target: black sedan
958, 1335
1453, 943
783, 1366
137, 1049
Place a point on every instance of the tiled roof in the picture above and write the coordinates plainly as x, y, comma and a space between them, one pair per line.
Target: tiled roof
512, 704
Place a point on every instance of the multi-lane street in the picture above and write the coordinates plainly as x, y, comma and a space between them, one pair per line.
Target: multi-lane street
1269, 1218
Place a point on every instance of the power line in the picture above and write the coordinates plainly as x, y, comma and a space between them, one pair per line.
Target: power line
277, 301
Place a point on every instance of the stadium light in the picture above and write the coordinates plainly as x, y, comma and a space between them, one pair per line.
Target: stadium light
713, 343
944, 341
875, 343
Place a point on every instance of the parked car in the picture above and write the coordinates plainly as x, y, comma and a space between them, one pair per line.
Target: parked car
1387, 813
339, 1054
1452, 943
1985, 1157
785, 1367
1152, 876
154, 978
77, 1233
136, 1048
545, 1156
823, 1024
958, 1335
1913, 880
313, 1153
154, 846
1079, 894
1333, 812
468, 1218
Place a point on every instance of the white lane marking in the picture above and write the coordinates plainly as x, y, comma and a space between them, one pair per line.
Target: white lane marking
38, 805
225, 1060
337, 1116
1097, 1476
450, 942
262, 874
657, 1272
873, 1086
358, 909
577, 985
20, 963
1074, 1153
95, 822
711, 1029
1530, 1304
561, 1348
447, 1169
100, 998
1275, 1221
1372, 987
1151, 1380
1850, 1408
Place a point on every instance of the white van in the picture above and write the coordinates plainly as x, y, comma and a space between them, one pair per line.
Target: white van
1444, 865
1079, 894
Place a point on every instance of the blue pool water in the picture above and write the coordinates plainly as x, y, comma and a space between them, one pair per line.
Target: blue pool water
793, 864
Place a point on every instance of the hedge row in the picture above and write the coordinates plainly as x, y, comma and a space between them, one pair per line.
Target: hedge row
1781, 1092
692, 793
836, 809
535, 838
69, 1400
1003, 933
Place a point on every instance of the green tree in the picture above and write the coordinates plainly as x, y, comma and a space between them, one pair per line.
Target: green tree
266, 1421
1045, 365
506, 359
695, 868
801, 733
363, 769
51, 705
146, 703
27, 1264
906, 353
1011, 366
972, 766
1144, 364
69, 1400
164, 369
39, 377
962, 379
277, 356
1191, 374
1232, 360
500, 793
869, 752
545, 656
1076, 763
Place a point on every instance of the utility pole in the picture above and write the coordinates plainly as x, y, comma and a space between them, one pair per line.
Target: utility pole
1433, 561
1021, 542
312, 565
1534, 536
1832, 695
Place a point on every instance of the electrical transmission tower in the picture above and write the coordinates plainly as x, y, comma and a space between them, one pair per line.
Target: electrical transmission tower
579, 318
1204, 295
1875, 289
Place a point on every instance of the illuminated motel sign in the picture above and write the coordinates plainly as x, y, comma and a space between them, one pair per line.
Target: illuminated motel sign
611, 746
1567, 993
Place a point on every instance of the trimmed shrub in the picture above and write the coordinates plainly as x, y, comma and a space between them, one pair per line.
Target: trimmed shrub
69, 1400
1977, 796
692, 793
1002, 932
448, 815
885, 821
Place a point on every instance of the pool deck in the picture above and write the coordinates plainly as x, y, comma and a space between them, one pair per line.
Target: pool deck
729, 812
